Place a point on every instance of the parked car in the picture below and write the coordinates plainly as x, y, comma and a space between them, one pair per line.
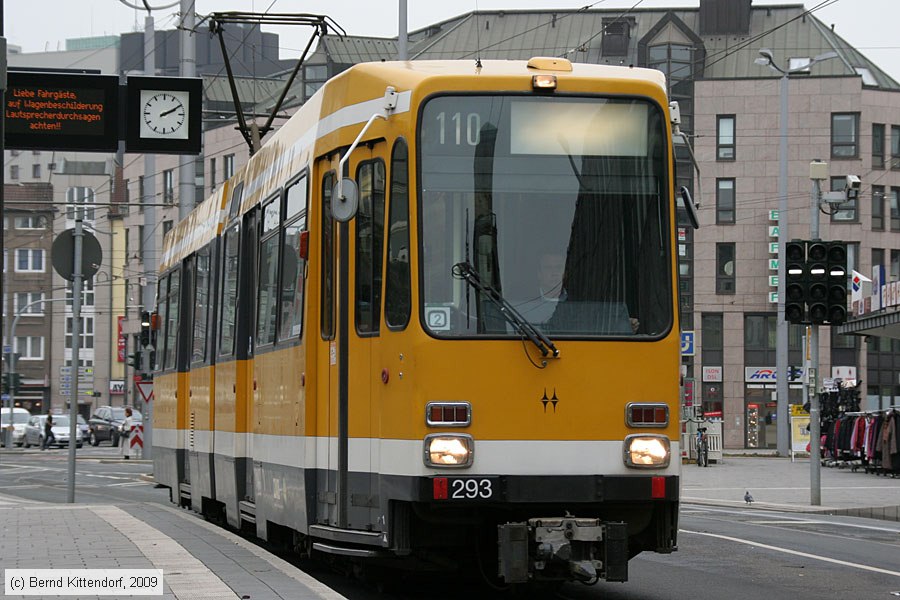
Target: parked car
34, 431
19, 419
104, 424
83, 426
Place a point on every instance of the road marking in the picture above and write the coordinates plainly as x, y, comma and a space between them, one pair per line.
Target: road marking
787, 519
794, 552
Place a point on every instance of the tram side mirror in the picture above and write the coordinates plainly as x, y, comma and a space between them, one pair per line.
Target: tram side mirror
344, 200
690, 207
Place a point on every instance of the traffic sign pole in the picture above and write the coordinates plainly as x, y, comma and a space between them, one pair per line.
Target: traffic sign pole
76, 344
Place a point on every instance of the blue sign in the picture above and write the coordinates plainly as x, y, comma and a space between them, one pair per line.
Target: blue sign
7, 349
4, 397
687, 343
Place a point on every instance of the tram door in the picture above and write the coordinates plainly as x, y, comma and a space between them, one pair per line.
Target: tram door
353, 374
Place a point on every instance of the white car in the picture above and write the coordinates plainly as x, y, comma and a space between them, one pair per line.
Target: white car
34, 431
20, 418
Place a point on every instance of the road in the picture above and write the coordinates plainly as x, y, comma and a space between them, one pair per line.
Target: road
738, 553
101, 476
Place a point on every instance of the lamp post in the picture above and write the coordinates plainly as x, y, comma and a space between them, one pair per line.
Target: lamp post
767, 59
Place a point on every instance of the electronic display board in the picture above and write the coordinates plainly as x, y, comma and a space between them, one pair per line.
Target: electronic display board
61, 111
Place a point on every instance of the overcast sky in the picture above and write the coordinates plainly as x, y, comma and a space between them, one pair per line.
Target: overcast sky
38, 25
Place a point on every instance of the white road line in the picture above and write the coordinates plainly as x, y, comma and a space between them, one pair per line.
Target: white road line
788, 518
794, 552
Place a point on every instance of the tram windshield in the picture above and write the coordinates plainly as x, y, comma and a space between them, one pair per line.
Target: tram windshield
560, 204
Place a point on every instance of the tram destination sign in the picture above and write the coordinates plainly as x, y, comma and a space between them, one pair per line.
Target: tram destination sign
61, 111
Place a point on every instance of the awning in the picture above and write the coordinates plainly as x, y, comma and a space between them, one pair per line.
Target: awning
878, 325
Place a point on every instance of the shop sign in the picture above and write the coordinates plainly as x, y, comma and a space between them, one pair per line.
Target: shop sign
773, 247
773, 231
117, 387
773, 264
773, 215
759, 374
712, 374
845, 373
121, 340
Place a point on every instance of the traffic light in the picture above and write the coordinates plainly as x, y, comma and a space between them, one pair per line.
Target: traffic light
16, 383
134, 361
795, 285
817, 288
145, 329
837, 282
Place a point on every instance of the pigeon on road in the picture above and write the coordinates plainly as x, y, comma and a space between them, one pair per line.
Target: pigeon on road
748, 498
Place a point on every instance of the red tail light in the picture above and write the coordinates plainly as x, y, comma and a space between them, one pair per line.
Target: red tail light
448, 414
639, 414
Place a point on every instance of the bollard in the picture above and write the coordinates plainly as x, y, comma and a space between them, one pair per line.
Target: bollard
136, 441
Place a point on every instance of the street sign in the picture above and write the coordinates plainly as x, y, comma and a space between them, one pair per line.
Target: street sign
67, 370
7, 349
63, 251
145, 388
687, 343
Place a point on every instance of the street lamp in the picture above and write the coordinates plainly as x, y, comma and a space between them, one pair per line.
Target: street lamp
767, 59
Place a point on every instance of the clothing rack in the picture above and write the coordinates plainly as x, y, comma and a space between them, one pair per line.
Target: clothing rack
863, 438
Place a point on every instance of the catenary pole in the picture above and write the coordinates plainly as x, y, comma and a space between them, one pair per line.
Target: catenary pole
149, 238
186, 164
781, 327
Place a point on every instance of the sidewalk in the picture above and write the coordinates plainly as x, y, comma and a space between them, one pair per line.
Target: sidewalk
779, 484
199, 560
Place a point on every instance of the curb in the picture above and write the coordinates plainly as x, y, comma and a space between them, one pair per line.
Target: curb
882, 513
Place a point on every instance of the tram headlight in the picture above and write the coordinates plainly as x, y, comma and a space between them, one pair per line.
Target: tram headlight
650, 451
449, 450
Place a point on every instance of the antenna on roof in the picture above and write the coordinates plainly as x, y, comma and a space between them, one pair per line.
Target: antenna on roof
477, 39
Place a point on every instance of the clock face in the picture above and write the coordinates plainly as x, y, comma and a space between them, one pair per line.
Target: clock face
164, 114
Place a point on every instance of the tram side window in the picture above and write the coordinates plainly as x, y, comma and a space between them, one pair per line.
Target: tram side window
172, 320
202, 280
268, 273
397, 289
293, 267
369, 245
229, 289
327, 300
162, 295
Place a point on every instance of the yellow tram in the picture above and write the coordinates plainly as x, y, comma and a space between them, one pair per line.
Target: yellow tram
433, 320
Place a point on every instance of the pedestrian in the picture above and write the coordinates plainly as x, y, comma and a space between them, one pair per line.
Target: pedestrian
48, 433
125, 432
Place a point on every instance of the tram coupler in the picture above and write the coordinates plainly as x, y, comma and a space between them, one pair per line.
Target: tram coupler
562, 549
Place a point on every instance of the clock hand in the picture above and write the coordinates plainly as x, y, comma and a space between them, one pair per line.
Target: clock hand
168, 112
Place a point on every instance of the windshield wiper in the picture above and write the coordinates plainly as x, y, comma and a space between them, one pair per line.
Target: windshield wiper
465, 270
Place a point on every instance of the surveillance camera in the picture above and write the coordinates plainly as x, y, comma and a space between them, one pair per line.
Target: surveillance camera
853, 182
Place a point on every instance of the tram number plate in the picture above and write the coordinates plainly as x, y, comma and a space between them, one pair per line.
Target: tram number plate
466, 488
